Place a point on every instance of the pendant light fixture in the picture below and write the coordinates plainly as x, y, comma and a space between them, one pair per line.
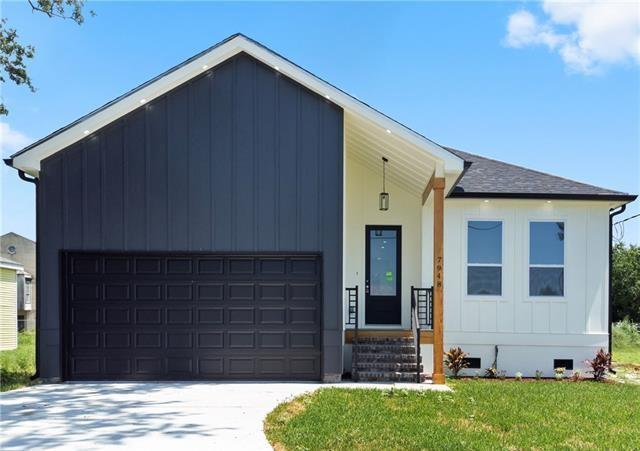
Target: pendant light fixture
384, 196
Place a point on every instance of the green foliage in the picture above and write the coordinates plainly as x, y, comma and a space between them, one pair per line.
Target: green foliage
625, 282
478, 414
455, 361
18, 365
14, 54
626, 343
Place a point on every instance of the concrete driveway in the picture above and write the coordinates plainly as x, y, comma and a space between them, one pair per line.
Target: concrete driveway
141, 416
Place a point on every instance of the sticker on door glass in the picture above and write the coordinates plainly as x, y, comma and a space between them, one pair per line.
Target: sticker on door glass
389, 276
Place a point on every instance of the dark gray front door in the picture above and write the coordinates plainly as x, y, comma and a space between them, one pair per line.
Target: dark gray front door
152, 316
383, 275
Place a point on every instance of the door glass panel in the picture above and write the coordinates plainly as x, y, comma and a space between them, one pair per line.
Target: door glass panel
383, 265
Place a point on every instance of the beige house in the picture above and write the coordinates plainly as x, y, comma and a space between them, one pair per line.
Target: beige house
23, 251
8, 303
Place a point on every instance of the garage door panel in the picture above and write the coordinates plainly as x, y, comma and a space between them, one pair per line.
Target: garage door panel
192, 316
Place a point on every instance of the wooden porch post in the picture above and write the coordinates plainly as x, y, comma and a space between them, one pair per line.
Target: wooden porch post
438, 263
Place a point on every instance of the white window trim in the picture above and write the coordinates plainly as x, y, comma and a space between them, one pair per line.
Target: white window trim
538, 298
465, 250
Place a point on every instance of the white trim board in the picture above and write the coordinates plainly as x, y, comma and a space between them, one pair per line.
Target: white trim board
29, 160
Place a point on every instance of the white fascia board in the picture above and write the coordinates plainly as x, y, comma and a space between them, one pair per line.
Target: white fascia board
29, 161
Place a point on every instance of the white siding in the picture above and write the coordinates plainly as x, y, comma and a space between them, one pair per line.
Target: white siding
8, 309
574, 326
362, 186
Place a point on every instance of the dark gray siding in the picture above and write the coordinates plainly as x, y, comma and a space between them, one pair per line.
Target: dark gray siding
238, 159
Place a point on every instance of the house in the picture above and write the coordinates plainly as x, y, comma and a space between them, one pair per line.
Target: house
237, 217
23, 250
8, 303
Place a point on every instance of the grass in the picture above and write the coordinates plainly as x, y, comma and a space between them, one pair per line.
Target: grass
17, 365
479, 414
626, 343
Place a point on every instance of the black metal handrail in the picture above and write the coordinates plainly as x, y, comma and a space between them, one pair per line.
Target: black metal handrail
415, 329
424, 300
352, 320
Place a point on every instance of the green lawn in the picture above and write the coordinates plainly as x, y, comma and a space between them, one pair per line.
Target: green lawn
17, 366
479, 414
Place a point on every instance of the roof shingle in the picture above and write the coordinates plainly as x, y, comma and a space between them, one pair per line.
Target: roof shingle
484, 177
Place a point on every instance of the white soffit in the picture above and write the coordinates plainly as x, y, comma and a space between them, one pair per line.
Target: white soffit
29, 159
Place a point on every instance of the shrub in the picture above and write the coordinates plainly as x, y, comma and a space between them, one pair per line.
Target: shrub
518, 376
491, 372
576, 376
626, 334
454, 359
538, 375
600, 365
625, 282
559, 373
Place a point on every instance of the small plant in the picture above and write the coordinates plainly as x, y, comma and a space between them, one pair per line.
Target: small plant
491, 372
518, 376
538, 375
576, 376
502, 374
600, 365
455, 361
559, 373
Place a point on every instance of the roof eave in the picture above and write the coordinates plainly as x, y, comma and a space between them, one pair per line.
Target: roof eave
29, 158
625, 198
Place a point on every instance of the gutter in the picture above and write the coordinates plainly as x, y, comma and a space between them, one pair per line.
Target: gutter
35, 181
612, 214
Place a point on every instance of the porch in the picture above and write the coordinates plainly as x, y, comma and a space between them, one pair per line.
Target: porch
393, 257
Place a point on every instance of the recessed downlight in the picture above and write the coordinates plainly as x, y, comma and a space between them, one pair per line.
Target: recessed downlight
86, 132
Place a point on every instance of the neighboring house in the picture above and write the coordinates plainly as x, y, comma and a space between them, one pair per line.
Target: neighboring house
214, 223
23, 250
8, 306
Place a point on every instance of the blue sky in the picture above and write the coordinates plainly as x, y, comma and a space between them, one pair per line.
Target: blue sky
447, 70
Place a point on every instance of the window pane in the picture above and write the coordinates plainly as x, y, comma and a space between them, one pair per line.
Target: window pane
383, 263
546, 281
546, 244
484, 280
484, 242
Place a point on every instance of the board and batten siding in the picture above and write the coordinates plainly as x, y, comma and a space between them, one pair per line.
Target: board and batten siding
8, 309
240, 158
530, 331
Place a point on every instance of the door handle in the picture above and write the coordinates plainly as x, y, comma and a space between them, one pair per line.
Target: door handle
366, 287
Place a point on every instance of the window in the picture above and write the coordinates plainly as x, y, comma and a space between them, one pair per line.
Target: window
484, 258
546, 258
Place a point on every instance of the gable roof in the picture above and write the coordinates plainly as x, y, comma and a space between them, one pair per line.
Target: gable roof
28, 159
484, 177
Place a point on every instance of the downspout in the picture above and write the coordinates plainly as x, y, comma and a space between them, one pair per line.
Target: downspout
34, 180
612, 214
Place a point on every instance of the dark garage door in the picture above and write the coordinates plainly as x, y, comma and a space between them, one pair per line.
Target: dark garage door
191, 316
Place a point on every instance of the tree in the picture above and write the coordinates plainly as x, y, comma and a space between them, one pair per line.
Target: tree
625, 282
14, 54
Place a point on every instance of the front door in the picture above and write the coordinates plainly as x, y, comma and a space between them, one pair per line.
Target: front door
382, 275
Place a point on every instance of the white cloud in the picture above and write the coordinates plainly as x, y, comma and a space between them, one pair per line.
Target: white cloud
12, 140
588, 35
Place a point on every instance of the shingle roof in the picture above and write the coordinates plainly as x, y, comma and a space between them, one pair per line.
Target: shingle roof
484, 177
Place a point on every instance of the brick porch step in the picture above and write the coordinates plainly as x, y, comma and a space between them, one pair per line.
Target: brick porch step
386, 357
385, 348
388, 376
401, 367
